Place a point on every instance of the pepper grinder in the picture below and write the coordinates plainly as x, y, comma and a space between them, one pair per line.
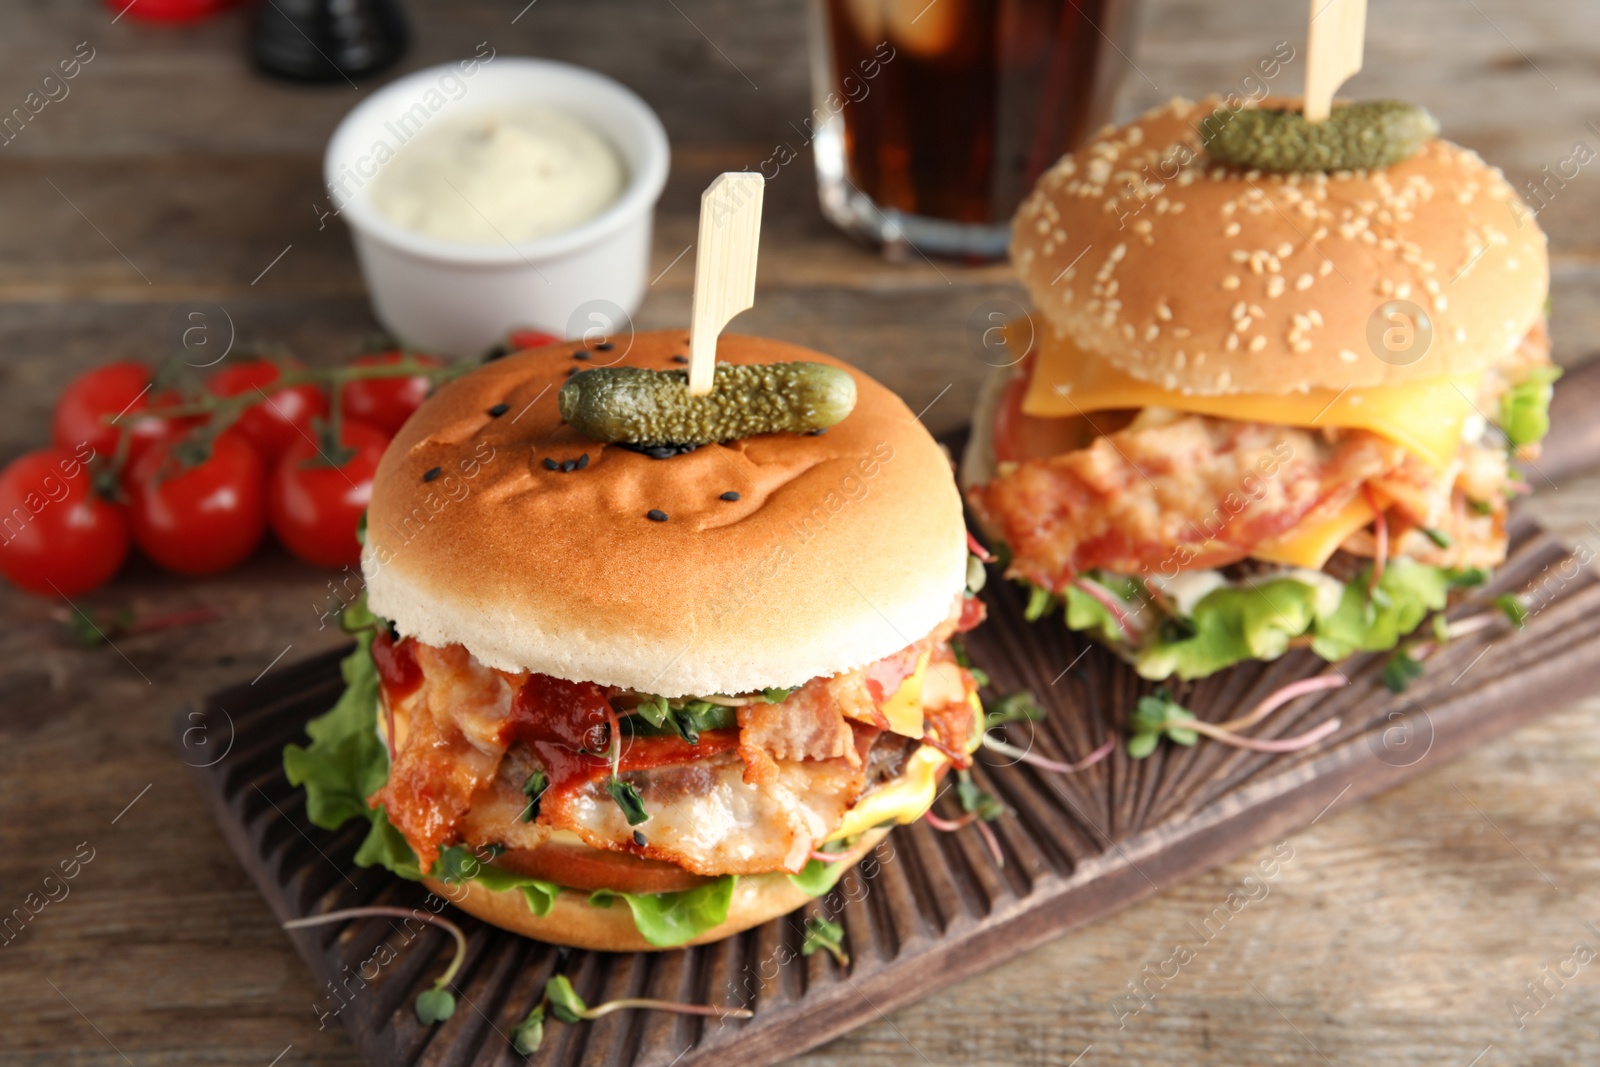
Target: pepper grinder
327, 40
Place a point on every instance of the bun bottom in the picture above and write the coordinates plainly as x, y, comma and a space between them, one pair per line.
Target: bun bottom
572, 921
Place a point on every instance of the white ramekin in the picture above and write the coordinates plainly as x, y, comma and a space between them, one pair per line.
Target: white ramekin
456, 298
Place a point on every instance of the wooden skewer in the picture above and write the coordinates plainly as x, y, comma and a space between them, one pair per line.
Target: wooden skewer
1333, 52
725, 267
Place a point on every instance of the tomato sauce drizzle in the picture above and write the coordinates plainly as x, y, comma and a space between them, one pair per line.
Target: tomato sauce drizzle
566, 724
398, 671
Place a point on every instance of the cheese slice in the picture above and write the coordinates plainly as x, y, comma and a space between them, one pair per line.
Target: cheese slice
904, 708
1424, 417
910, 796
1310, 547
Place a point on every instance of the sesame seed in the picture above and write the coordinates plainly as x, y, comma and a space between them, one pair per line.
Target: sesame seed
430, 474
604, 346
1275, 285
580, 355
1347, 355
1258, 342
1238, 311
680, 359
568, 466
1243, 324
1286, 250
1231, 282
551, 465
583, 461
639, 838
1304, 281
571, 371
730, 496
1232, 229
498, 410
1163, 312
656, 515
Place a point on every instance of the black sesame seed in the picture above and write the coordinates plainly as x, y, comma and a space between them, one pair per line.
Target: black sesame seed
817, 433
656, 515
730, 496
604, 346
580, 355
583, 461
551, 465
430, 474
499, 409
680, 359
568, 466
638, 838
572, 370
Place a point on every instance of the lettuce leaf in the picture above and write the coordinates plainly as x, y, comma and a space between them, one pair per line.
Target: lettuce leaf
1376, 623
667, 920
1233, 624
458, 864
385, 847
816, 877
1086, 613
1525, 408
346, 761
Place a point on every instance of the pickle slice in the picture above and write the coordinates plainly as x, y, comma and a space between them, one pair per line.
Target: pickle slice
636, 406
1360, 136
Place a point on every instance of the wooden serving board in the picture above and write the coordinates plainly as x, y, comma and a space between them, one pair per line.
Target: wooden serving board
934, 908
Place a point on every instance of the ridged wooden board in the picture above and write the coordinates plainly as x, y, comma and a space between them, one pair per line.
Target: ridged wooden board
936, 909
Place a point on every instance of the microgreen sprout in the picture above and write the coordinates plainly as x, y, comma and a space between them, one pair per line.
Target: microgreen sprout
562, 1001
1158, 715
1013, 707
96, 629
827, 935
433, 1005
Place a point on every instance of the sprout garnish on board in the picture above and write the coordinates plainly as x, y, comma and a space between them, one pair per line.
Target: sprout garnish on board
636, 406
1361, 136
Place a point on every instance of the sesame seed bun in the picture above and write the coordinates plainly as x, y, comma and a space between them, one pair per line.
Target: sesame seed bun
1208, 279
841, 548
575, 922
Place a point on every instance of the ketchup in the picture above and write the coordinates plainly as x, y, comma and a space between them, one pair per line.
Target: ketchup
568, 725
398, 671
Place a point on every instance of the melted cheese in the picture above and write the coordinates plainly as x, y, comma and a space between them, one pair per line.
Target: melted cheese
1310, 547
1427, 418
904, 708
908, 797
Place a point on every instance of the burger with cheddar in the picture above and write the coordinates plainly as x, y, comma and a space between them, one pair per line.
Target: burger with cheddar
633, 694
1262, 406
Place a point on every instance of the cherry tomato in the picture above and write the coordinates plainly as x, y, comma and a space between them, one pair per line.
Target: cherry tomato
205, 519
386, 403
275, 423
57, 537
519, 340
314, 508
117, 389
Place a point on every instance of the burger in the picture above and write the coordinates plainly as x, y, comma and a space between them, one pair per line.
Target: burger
1260, 410
627, 696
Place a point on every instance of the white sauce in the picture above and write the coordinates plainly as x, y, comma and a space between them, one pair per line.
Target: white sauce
508, 175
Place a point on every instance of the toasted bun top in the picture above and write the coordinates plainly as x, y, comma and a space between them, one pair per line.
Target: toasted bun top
1204, 278
842, 547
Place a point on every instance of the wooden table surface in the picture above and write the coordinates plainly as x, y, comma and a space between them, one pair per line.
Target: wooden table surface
1403, 931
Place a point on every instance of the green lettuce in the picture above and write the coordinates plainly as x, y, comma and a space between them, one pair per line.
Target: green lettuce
1232, 624
816, 877
1235, 623
1376, 622
347, 762
1525, 407
670, 919
1086, 613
